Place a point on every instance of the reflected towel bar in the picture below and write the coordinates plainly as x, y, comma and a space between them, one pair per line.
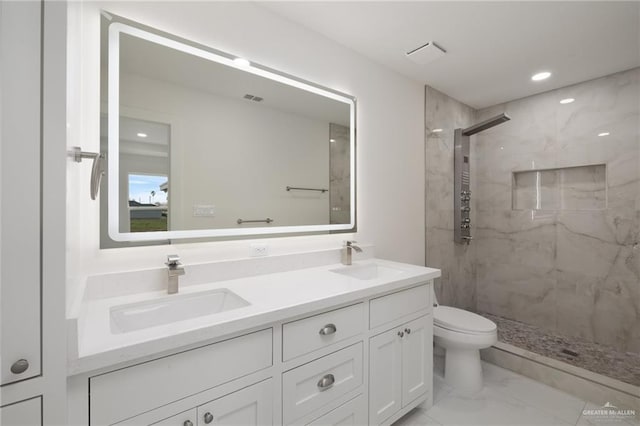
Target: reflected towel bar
267, 220
323, 190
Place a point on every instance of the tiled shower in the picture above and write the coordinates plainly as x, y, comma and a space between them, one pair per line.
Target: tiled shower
555, 213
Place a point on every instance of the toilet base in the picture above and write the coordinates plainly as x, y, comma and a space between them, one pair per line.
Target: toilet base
463, 371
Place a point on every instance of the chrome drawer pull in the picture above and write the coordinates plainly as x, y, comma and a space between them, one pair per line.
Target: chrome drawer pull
326, 382
328, 329
187, 423
407, 330
208, 417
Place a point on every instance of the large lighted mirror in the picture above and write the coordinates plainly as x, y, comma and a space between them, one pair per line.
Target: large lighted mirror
202, 144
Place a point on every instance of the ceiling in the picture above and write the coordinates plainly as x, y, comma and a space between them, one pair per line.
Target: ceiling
493, 48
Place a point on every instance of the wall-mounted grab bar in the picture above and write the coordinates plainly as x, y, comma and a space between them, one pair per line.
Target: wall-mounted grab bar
267, 220
323, 190
97, 170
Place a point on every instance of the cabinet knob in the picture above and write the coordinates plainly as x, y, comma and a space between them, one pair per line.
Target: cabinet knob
407, 330
328, 329
326, 382
187, 423
401, 333
208, 417
20, 366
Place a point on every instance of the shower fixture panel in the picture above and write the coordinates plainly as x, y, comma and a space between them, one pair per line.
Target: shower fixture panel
462, 177
462, 189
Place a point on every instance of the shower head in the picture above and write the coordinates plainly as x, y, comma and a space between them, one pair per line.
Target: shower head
486, 124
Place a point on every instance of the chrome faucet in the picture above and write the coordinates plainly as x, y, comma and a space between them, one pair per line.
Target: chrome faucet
347, 251
175, 270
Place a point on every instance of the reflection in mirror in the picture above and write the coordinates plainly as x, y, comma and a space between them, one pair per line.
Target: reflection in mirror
223, 149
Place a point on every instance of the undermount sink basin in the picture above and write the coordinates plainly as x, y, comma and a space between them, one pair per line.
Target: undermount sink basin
151, 313
367, 271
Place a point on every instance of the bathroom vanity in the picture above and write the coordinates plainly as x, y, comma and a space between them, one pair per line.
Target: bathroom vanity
330, 344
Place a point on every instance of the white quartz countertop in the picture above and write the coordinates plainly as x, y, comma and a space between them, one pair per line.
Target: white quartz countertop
272, 297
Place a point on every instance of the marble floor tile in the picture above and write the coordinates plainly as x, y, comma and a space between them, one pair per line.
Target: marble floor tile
440, 388
549, 400
507, 399
490, 408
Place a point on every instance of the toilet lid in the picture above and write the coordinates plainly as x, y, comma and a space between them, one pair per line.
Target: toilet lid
463, 321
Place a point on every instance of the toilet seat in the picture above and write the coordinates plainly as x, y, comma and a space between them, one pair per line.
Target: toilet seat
461, 321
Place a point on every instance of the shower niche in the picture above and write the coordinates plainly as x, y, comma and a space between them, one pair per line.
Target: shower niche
568, 188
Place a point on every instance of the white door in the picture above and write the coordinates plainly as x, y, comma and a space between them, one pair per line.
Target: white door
20, 217
186, 418
385, 366
25, 413
416, 359
251, 406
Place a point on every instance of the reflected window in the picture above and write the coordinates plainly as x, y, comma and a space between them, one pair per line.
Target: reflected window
148, 202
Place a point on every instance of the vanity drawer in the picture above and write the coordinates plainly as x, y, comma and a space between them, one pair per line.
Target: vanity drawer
396, 305
309, 334
313, 385
124, 393
352, 413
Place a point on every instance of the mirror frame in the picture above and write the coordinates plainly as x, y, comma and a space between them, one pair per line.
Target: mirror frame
117, 26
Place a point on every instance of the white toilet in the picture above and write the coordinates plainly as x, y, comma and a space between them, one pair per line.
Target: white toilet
462, 334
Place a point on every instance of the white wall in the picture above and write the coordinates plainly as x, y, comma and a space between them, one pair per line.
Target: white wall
390, 130
236, 155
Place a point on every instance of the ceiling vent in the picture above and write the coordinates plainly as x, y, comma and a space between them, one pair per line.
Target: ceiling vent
426, 53
253, 98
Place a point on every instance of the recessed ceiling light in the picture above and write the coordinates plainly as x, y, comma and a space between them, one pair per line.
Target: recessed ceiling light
241, 62
541, 76
332, 140
567, 101
436, 130
142, 135
604, 134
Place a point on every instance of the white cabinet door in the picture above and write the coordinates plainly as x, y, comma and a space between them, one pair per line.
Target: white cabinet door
416, 365
186, 418
385, 364
251, 406
20, 217
25, 413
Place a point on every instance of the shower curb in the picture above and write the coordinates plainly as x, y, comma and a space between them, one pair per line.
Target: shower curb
574, 380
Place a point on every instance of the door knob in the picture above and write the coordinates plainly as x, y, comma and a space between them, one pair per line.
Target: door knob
20, 366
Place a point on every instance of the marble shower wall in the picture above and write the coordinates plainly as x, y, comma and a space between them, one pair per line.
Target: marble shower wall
574, 271
456, 287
